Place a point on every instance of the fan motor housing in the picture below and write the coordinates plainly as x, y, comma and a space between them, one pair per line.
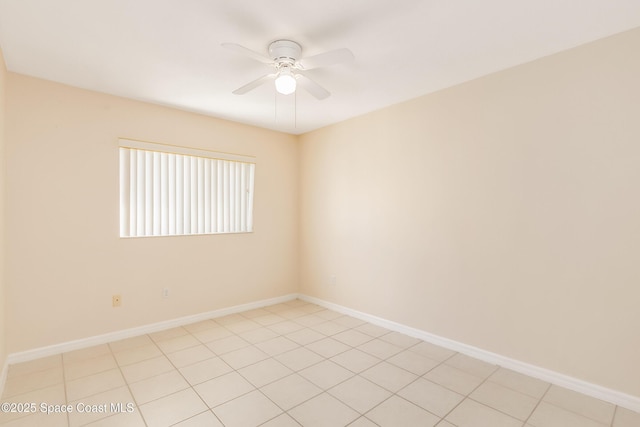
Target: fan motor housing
285, 51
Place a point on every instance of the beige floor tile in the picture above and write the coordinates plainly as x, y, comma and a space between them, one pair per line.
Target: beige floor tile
380, 349
37, 365
504, 399
413, 362
360, 394
129, 343
250, 314
299, 358
401, 340
94, 384
212, 334
168, 334
471, 366
326, 374
349, 321
243, 326
276, 345
626, 418
286, 327
21, 384
430, 396
40, 419
363, 422
264, 372
305, 336
230, 319
548, 415
258, 335
328, 347
283, 420
53, 395
352, 337
372, 330
432, 351
355, 360
296, 303
178, 343
146, 369
397, 412
290, 391
323, 411
268, 319
329, 328
285, 356
133, 419
227, 344
223, 389
203, 325
581, 404
519, 382
252, 409
454, 379
87, 367
244, 357
309, 320
205, 370
277, 308
473, 414
328, 314
204, 419
93, 408
137, 354
85, 353
312, 308
292, 314
159, 386
389, 376
172, 409
190, 355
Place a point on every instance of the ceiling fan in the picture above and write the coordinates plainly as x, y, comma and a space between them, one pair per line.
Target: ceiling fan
289, 67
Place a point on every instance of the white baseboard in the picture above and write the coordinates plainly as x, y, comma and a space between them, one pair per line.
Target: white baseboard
613, 396
25, 356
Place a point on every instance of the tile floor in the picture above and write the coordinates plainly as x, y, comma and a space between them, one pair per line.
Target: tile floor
289, 364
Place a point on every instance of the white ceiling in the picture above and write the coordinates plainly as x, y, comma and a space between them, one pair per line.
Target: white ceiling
168, 51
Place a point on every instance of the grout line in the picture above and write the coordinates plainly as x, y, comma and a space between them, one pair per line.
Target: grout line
537, 404
613, 419
64, 386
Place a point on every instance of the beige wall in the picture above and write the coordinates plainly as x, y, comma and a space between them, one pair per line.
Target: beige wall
503, 213
3, 74
66, 259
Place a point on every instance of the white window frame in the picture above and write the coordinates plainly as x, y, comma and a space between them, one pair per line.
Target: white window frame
167, 190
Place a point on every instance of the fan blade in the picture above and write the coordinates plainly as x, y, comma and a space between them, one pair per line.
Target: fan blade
247, 52
325, 59
254, 84
312, 87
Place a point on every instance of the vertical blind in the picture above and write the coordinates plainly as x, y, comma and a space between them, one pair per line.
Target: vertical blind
167, 190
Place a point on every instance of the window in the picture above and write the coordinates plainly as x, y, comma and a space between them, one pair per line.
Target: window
167, 191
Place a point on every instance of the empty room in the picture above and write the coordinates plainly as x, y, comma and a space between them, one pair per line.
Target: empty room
323, 214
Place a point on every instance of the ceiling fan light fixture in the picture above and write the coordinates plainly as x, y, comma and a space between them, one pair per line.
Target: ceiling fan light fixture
285, 82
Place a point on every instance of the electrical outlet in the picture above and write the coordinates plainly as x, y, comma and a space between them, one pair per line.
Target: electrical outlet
116, 300
333, 280
165, 292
